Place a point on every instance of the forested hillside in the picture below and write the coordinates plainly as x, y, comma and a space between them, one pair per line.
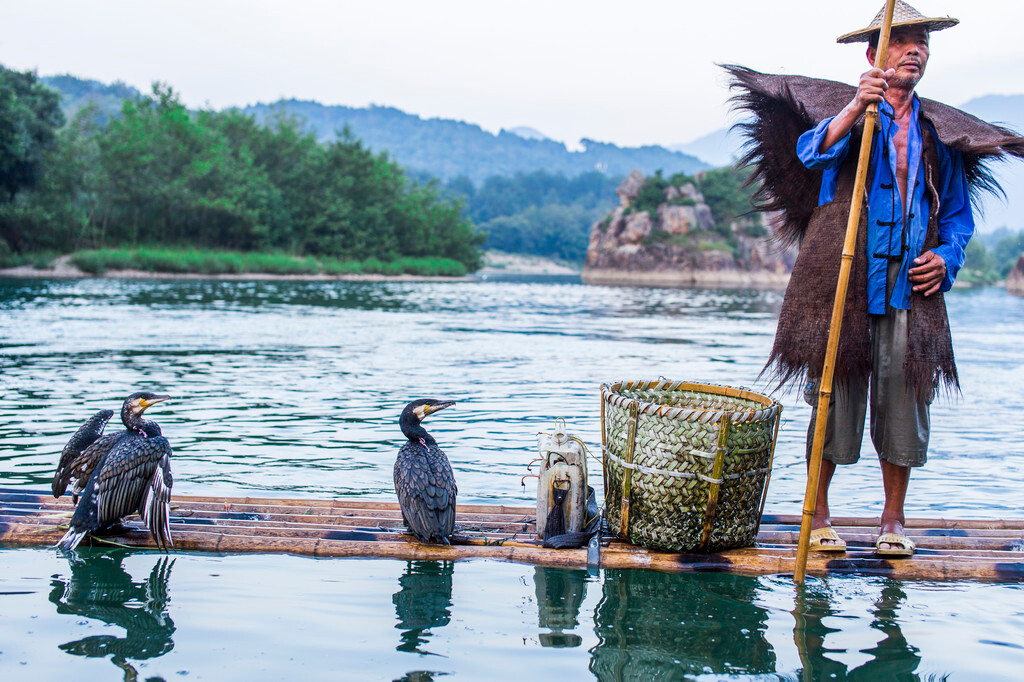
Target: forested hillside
442, 148
158, 175
539, 213
524, 193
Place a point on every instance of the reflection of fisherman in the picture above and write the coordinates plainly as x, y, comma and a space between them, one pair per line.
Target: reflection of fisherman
100, 588
926, 158
892, 657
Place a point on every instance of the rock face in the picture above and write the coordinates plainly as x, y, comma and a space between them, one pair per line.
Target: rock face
1015, 280
630, 187
676, 244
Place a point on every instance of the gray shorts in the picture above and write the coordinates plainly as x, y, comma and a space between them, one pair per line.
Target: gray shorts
899, 417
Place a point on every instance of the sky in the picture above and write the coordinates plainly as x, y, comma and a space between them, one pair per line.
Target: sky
634, 73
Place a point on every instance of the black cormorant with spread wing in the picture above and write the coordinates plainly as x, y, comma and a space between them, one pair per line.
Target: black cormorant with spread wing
423, 477
120, 474
71, 456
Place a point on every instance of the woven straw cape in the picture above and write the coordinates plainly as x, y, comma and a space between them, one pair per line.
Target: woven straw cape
902, 15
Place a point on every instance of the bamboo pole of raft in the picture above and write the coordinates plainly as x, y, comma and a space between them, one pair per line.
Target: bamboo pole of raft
996, 566
831, 350
947, 549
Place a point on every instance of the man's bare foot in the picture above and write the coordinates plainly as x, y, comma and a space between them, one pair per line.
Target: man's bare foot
823, 521
895, 527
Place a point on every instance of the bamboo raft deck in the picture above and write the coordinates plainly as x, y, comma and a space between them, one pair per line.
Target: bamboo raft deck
947, 549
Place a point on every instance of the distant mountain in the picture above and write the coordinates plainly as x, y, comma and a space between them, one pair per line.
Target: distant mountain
77, 93
719, 148
722, 146
443, 148
1007, 110
528, 133
447, 148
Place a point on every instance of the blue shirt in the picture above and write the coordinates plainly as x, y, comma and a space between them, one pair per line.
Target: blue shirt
890, 236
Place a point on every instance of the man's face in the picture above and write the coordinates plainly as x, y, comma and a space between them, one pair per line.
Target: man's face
908, 54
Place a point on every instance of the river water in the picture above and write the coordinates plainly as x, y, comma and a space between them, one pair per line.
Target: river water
293, 389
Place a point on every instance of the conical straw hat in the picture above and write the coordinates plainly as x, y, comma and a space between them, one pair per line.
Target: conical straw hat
902, 15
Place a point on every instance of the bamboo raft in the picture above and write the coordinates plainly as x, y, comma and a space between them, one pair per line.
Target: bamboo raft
947, 549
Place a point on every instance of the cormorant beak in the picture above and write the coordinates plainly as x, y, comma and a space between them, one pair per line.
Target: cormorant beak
144, 404
437, 407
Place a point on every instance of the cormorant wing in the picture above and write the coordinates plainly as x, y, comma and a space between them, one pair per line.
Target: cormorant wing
426, 491
81, 467
136, 477
86, 435
155, 507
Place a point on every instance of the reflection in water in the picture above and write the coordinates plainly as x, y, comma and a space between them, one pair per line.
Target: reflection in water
653, 626
560, 593
100, 588
423, 603
892, 658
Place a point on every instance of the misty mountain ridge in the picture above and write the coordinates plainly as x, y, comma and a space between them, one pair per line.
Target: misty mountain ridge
718, 148
443, 148
528, 133
722, 147
447, 148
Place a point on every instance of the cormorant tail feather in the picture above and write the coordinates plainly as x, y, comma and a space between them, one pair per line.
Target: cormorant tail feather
71, 539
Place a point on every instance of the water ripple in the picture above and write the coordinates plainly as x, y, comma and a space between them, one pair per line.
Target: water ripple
294, 388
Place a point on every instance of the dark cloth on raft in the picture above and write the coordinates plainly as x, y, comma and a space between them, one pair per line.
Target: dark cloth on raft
783, 108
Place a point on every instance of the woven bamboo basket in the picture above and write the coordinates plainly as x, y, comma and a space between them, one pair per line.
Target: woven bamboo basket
686, 465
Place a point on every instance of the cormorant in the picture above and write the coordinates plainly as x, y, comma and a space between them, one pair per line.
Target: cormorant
121, 474
423, 477
86, 435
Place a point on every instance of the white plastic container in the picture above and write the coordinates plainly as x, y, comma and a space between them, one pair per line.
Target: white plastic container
563, 465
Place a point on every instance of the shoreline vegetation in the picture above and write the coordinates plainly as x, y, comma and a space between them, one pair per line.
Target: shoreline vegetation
219, 192
158, 262
150, 188
164, 262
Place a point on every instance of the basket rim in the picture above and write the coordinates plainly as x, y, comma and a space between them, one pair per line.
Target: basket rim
771, 407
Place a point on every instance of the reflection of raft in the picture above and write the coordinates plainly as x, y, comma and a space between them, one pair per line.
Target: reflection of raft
947, 549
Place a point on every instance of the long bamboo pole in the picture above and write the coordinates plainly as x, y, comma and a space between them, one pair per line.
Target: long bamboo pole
831, 350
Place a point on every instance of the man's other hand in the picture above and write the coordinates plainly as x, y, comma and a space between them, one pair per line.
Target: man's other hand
928, 275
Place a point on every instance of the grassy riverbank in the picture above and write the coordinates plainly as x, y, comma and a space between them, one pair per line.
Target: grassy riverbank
214, 262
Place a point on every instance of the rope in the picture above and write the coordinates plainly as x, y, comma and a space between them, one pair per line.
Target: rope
722, 399
681, 474
587, 451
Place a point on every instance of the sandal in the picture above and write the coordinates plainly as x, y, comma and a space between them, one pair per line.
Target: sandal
907, 548
837, 544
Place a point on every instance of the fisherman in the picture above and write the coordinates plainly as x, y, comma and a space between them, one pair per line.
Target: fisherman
926, 160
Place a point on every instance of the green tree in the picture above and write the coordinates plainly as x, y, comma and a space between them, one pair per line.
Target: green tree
30, 115
725, 194
160, 175
1006, 253
555, 231
58, 211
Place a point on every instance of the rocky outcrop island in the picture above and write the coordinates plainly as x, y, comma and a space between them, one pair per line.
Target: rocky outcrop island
1015, 280
664, 232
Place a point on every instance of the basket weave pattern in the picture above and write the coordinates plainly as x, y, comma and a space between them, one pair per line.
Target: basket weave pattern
676, 500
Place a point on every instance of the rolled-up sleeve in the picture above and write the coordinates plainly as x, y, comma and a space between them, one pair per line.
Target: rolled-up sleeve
956, 221
809, 145
808, 151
